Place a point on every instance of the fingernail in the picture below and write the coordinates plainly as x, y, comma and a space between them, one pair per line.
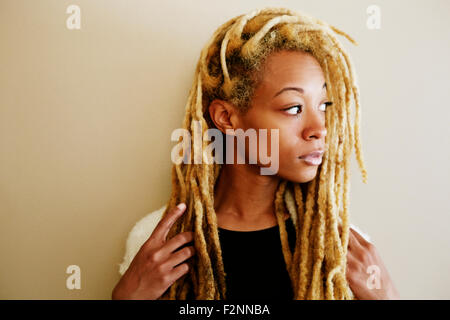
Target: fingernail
181, 206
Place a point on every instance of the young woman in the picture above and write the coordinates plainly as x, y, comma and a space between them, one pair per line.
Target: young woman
238, 233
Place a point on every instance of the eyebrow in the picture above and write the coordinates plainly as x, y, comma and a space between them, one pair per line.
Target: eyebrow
300, 90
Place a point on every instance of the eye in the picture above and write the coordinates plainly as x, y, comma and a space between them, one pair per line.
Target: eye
293, 110
326, 105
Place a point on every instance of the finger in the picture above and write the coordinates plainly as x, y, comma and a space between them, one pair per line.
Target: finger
176, 242
353, 243
354, 264
163, 227
359, 238
350, 256
180, 256
349, 266
178, 272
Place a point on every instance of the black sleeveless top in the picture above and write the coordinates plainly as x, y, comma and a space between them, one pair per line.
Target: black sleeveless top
254, 263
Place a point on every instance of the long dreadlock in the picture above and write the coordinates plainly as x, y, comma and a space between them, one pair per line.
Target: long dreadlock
229, 68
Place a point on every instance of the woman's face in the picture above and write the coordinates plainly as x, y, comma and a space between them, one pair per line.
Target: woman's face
291, 97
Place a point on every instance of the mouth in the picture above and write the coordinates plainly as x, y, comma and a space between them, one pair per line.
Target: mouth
313, 158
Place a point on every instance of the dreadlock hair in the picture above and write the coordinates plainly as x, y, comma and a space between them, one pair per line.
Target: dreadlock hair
229, 68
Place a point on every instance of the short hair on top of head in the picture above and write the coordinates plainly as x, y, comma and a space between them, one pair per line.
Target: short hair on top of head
228, 68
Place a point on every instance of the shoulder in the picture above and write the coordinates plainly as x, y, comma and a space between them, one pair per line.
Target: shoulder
138, 235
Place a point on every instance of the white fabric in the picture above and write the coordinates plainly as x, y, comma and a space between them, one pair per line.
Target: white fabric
138, 235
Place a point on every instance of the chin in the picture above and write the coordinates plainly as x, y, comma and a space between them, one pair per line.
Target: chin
300, 175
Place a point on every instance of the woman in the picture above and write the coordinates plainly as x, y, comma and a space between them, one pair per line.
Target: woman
273, 68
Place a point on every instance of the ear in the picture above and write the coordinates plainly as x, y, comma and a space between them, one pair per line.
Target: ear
224, 115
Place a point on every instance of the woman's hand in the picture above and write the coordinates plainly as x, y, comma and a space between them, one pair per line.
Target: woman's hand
156, 266
366, 274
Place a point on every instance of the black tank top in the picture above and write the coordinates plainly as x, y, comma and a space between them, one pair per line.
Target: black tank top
254, 263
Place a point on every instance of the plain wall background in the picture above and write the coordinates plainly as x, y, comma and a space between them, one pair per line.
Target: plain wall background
86, 117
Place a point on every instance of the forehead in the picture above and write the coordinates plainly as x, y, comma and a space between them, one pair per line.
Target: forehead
292, 67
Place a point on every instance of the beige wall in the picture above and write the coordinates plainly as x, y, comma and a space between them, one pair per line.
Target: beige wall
86, 117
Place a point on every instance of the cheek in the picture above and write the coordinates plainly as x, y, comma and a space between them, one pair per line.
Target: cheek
267, 121
290, 167
289, 143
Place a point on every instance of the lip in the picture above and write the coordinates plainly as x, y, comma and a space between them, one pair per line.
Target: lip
313, 158
315, 154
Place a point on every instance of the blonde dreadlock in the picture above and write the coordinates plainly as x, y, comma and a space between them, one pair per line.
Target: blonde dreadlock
229, 68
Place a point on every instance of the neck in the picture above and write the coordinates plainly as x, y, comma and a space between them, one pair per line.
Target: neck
242, 194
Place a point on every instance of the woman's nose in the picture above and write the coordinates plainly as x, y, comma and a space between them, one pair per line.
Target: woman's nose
315, 126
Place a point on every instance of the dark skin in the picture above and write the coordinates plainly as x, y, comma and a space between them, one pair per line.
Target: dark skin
243, 198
